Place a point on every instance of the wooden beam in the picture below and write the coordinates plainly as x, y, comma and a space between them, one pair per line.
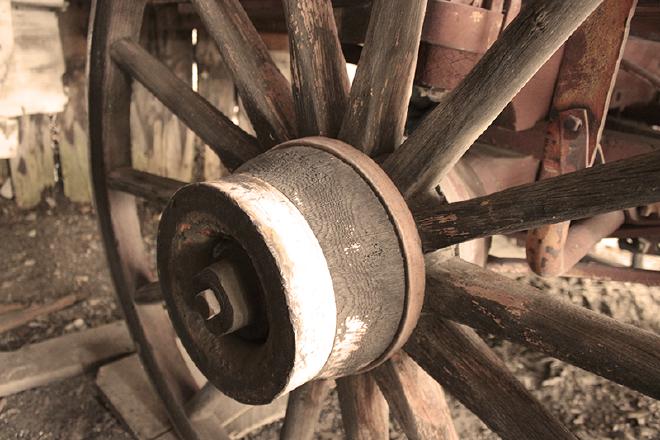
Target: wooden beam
614, 186
445, 134
417, 401
495, 304
363, 408
378, 105
303, 410
318, 67
467, 368
231, 143
265, 92
62, 357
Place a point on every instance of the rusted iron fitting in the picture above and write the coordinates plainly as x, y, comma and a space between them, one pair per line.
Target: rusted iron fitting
552, 250
454, 38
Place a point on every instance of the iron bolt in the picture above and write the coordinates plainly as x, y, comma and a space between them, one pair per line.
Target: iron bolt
222, 298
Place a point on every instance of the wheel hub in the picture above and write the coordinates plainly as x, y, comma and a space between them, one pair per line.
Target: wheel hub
324, 276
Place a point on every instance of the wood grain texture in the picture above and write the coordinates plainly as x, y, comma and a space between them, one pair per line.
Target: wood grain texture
231, 143
378, 104
468, 369
364, 410
215, 85
303, 410
264, 91
417, 401
442, 138
359, 244
73, 133
148, 186
495, 304
604, 188
32, 168
318, 68
109, 130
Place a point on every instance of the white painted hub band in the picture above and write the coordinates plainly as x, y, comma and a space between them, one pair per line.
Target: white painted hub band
302, 266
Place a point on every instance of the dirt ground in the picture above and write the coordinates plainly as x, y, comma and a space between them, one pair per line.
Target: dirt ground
56, 250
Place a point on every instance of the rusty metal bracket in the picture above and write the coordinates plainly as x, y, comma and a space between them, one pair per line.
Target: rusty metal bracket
582, 93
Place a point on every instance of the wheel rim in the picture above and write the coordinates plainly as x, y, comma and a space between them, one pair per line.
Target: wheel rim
271, 106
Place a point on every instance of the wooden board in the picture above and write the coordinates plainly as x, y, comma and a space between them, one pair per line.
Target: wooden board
126, 386
161, 144
32, 83
215, 84
72, 123
62, 357
33, 168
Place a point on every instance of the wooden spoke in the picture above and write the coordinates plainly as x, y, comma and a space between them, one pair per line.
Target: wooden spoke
146, 185
457, 358
495, 304
320, 80
226, 139
623, 184
303, 410
417, 401
442, 138
148, 294
382, 86
265, 92
363, 408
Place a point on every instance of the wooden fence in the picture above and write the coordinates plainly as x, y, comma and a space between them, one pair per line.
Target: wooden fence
53, 149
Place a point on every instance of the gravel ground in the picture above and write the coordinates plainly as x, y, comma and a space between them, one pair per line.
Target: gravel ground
55, 250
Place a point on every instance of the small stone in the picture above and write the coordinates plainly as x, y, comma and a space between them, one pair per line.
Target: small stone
32, 233
79, 323
51, 202
30, 262
31, 217
81, 279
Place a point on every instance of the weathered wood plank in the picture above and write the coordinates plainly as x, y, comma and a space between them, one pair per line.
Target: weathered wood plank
33, 169
125, 385
214, 83
603, 188
65, 356
417, 401
467, 368
72, 122
231, 143
378, 105
320, 80
32, 82
364, 410
262, 87
496, 304
160, 142
445, 134
303, 410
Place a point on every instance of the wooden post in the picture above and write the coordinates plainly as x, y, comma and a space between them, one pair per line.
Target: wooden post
33, 169
72, 123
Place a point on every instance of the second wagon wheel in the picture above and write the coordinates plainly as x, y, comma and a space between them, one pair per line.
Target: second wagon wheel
306, 264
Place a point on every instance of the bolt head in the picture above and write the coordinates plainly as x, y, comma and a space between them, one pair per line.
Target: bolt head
207, 304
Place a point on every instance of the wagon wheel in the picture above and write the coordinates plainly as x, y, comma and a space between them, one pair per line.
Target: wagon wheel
315, 214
